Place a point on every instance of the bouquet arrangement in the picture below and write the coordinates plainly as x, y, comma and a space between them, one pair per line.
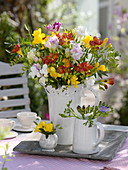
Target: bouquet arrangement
64, 57
89, 113
46, 128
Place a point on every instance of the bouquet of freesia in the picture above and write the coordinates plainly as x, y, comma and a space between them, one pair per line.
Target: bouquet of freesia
64, 57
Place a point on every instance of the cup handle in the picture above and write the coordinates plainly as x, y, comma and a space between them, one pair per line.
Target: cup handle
101, 134
13, 124
38, 118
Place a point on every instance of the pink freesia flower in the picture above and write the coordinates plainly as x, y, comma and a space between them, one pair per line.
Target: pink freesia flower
55, 27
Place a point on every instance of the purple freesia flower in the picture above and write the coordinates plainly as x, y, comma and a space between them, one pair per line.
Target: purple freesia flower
104, 109
76, 51
55, 27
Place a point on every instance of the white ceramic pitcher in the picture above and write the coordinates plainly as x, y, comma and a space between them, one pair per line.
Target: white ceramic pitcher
86, 139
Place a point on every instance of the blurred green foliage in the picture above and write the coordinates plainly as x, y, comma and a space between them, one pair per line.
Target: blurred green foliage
123, 111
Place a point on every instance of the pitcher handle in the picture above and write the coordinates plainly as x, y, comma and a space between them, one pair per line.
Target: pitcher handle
101, 134
95, 94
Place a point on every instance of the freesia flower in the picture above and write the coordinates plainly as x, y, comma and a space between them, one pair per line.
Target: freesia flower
52, 42
86, 41
109, 81
40, 125
102, 68
55, 27
17, 50
44, 70
73, 81
76, 51
34, 72
53, 72
48, 127
31, 55
39, 38
42, 81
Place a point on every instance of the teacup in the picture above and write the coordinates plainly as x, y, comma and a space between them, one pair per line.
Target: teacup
7, 124
27, 119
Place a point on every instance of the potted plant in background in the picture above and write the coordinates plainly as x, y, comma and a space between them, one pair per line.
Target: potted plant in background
48, 140
85, 137
65, 62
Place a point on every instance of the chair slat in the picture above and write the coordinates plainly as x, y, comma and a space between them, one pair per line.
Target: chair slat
13, 81
6, 69
14, 92
11, 113
14, 102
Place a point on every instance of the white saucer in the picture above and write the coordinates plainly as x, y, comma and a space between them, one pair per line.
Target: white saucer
19, 128
10, 135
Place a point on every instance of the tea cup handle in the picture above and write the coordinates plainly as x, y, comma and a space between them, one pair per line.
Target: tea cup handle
101, 134
38, 118
12, 124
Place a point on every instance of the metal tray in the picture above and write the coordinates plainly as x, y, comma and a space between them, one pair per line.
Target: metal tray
113, 140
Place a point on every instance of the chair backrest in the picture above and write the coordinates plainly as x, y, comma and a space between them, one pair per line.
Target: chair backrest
13, 90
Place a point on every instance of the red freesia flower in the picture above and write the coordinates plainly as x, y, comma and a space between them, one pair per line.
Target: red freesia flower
109, 81
83, 67
16, 48
96, 41
50, 58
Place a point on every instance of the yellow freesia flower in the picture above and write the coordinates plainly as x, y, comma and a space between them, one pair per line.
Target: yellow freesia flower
40, 125
97, 64
109, 45
53, 73
104, 42
39, 38
73, 81
48, 127
102, 68
66, 62
86, 41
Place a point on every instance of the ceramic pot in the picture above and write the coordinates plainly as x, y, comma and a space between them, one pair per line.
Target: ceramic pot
48, 144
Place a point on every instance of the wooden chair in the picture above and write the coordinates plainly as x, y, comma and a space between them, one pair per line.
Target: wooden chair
13, 90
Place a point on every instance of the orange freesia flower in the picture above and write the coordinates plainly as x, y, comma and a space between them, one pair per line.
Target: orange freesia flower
83, 67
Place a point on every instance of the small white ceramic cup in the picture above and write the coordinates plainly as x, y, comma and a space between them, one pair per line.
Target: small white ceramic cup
7, 124
27, 119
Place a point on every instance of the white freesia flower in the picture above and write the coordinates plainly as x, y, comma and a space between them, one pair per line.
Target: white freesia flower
44, 70
34, 72
42, 81
31, 54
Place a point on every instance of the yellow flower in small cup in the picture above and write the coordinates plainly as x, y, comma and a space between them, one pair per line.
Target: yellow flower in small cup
46, 128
